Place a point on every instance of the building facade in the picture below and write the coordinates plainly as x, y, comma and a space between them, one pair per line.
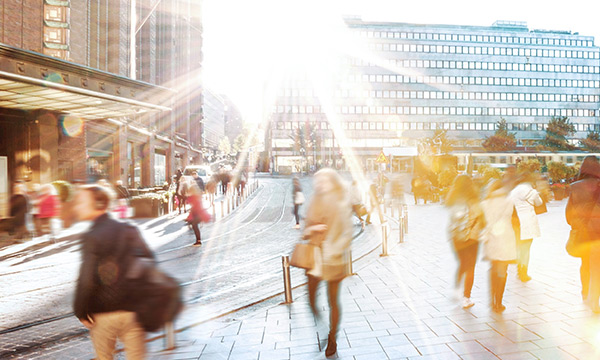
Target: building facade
214, 108
419, 78
99, 89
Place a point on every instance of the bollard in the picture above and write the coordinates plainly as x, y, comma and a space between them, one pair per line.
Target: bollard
401, 230
228, 205
349, 268
405, 210
287, 281
384, 240
222, 215
169, 336
214, 212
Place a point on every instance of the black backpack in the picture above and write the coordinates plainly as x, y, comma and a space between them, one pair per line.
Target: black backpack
156, 295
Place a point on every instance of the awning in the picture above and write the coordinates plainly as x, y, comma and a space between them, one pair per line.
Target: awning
26, 93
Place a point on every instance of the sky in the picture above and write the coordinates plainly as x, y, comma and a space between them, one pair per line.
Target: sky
248, 44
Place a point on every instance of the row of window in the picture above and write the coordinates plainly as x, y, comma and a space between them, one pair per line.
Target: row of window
441, 110
480, 65
466, 95
473, 80
475, 38
484, 50
396, 126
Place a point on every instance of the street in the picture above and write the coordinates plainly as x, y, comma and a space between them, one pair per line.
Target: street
238, 264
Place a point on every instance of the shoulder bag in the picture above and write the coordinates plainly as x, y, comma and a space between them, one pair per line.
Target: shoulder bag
303, 256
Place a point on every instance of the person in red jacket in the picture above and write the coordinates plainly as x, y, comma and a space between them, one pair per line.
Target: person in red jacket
198, 213
48, 207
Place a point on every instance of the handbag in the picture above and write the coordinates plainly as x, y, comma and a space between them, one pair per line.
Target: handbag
303, 256
539, 209
574, 244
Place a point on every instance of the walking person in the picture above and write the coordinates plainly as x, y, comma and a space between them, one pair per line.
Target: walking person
103, 301
329, 228
466, 223
498, 238
198, 213
49, 209
583, 214
356, 200
298, 197
374, 202
525, 198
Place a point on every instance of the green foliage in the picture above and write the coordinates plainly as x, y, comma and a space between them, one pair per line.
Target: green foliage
502, 140
239, 143
151, 195
225, 146
446, 177
591, 142
64, 189
557, 131
529, 165
491, 173
573, 171
557, 171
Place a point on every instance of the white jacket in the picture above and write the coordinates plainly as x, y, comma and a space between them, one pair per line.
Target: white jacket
525, 197
499, 236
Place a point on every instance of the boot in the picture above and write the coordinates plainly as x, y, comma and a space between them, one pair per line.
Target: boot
499, 295
522, 273
331, 346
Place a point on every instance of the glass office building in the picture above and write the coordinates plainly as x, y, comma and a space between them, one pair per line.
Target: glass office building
419, 78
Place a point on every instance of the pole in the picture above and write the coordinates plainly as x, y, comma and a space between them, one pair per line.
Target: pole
349, 268
222, 211
384, 240
405, 208
401, 230
169, 336
287, 281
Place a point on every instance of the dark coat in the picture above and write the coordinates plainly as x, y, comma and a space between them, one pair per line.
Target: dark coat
583, 207
106, 250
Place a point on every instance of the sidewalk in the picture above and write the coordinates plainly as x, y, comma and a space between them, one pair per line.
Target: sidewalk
401, 307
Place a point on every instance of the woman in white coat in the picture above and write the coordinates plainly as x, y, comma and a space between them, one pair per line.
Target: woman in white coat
498, 239
525, 198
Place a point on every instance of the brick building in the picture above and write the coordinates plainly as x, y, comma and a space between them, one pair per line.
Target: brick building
103, 88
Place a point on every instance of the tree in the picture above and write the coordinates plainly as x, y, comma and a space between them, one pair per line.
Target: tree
556, 134
239, 143
557, 171
591, 142
502, 140
529, 165
225, 146
436, 145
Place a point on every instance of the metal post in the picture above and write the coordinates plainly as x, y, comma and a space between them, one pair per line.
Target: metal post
222, 210
228, 204
169, 336
214, 212
384, 240
349, 269
401, 230
405, 207
287, 281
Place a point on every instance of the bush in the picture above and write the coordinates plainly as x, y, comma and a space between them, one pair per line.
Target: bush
150, 195
64, 189
557, 171
529, 165
491, 173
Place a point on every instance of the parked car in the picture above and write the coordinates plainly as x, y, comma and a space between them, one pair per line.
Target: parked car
203, 171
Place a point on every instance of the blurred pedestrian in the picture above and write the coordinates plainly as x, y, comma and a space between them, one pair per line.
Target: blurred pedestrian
374, 204
466, 223
499, 242
16, 224
121, 191
182, 194
198, 181
103, 301
329, 228
525, 198
198, 213
49, 209
583, 214
298, 197
356, 201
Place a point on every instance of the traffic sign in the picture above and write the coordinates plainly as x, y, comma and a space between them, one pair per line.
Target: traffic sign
382, 159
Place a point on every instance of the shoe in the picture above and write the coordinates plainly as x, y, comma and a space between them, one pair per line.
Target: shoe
297, 226
467, 303
331, 346
524, 277
498, 308
197, 243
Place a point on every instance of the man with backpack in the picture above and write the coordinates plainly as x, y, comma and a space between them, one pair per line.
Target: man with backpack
120, 292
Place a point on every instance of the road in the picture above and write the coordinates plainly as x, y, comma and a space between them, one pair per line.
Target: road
238, 264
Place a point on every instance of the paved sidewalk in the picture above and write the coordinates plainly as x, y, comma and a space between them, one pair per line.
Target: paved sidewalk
401, 307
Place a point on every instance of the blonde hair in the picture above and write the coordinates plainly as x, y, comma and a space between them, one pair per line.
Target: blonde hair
332, 177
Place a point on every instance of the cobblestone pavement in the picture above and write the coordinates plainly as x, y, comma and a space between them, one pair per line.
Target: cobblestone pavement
238, 264
401, 307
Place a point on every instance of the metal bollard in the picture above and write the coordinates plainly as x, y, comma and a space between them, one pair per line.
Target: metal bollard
214, 212
349, 268
384, 240
169, 336
287, 280
222, 210
405, 210
228, 205
401, 230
